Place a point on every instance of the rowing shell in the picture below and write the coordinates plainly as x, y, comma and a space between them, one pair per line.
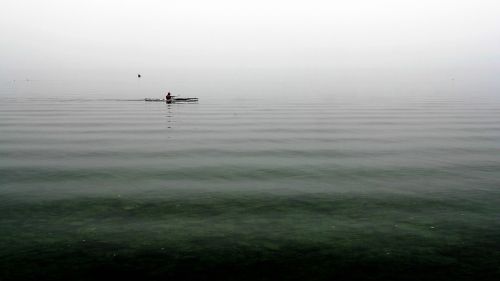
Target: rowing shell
174, 99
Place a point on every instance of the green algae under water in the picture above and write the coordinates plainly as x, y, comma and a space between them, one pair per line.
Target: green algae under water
128, 190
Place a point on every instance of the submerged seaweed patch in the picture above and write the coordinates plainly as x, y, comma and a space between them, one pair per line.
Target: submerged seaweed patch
249, 237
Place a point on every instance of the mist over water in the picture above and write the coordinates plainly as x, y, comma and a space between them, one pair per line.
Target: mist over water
367, 85
332, 140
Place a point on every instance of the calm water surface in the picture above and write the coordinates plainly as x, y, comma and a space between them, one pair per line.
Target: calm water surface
250, 189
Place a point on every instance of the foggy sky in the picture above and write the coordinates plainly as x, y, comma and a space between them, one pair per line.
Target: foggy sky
117, 34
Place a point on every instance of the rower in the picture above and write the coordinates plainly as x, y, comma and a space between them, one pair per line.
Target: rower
168, 98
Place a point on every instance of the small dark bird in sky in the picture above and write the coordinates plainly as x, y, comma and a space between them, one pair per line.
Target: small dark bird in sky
138, 76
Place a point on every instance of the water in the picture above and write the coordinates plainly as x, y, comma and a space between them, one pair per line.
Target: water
236, 189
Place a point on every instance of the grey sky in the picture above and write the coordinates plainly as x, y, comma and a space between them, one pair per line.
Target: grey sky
90, 34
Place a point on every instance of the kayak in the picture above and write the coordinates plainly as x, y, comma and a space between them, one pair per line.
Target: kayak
174, 99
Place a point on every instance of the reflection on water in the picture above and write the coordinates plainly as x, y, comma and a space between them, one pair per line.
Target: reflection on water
169, 115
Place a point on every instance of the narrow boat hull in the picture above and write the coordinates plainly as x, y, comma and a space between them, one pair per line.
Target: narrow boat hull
173, 100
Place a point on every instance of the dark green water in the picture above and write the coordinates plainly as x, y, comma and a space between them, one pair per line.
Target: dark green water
297, 190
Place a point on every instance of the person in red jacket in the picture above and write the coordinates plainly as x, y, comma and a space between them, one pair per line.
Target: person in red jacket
168, 98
